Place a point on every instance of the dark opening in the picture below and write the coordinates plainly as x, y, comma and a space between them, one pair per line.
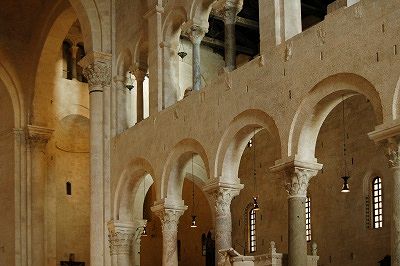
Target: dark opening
69, 188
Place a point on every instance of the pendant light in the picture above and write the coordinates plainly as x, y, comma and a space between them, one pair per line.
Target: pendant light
193, 224
129, 83
345, 188
253, 142
144, 233
181, 53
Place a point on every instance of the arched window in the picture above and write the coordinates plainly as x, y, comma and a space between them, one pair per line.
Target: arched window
252, 231
308, 219
377, 203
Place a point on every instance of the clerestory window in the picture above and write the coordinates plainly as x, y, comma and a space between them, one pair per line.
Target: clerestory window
377, 203
252, 231
308, 219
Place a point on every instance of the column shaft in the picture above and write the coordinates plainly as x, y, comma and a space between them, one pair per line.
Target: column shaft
196, 67
230, 46
297, 232
140, 76
395, 223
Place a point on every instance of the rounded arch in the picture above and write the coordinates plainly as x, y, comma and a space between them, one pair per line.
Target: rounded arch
124, 62
317, 105
137, 176
236, 137
11, 85
176, 166
172, 25
200, 11
89, 16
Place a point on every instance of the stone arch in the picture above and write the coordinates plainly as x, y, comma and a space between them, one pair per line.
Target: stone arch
235, 139
172, 24
317, 105
396, 101
128, 199
174, 170
140, 53
11, 84
89, 15
124, 62
200, 11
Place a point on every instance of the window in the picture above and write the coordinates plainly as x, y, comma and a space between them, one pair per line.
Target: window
377, 203
252, 230
308, 219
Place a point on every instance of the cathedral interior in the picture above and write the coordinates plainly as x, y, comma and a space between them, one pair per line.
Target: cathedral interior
199, 132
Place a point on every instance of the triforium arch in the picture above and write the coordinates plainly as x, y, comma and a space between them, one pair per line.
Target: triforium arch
317, 105
128, 193
94, 29
174, 169
200, 11
124, 62
235, 139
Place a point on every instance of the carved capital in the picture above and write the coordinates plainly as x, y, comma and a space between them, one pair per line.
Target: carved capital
222, 195
97, 70
196, 33
297, 180
392, 152
140, 75
169, 218
38, 135
120, 237
228, 9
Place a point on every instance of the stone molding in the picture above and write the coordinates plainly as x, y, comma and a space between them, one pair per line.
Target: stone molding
120, 237
37, 134
169, 216
388, 136
194, 31
97, 70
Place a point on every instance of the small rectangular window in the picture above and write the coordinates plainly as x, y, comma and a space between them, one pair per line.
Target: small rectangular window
377, 203
252, 231
69, 188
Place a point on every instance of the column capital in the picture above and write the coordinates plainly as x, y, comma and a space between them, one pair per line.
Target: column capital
222, 193
97, 69
388, 136
168, 214
228, 9
140, 74
120, 236
297, 175
37, 134
194, 31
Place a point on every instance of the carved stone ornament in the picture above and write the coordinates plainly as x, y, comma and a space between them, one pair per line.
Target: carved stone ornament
120, 238
196, 34
298, 180
321, 35
40, 135
288, 51
228, 9
98, 74
223, 198
392, 153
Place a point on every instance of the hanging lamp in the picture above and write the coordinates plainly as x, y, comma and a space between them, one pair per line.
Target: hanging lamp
144, 232
129, 83
193, 224
181, 53
345, 188
253, 142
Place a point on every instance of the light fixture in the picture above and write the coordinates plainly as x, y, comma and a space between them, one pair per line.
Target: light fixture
182, 54
144, 232
193, 224
253, 144
345, 188
129, 83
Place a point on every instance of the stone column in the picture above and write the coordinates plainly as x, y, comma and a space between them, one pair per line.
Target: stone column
121, 235
37, 174
154, 18
74, 51
97, 70
222, 195
170, 72
297, 189
229, 10
388, 135
169, 217
196, 34
140, 75
393, 156
122, 119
